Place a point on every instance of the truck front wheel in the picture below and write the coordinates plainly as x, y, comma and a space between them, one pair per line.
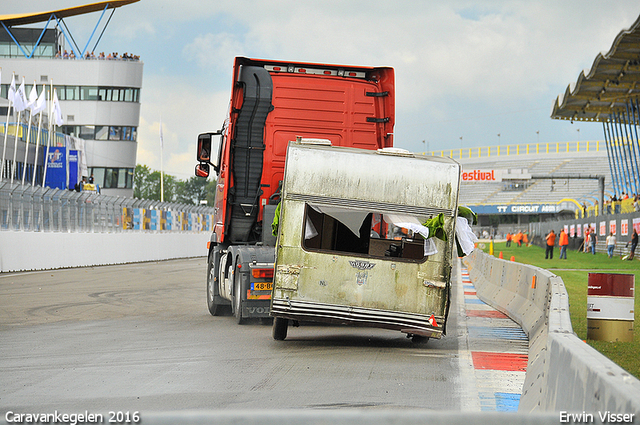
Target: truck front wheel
279, 330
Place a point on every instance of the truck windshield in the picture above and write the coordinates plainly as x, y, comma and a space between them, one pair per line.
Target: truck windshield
345, 230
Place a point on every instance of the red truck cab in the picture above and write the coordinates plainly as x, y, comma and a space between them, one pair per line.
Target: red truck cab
273, 103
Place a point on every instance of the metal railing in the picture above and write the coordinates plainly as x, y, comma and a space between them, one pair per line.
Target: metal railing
521, 149
38, 209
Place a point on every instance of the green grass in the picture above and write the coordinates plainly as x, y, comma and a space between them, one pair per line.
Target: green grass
575, 273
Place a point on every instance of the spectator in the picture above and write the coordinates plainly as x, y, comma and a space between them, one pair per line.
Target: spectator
518, 238
551, 241
564, 242
80, 185
611, 244
634, 244
593, 239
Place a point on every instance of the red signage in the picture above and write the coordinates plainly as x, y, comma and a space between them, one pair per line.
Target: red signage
479, 175
610, 284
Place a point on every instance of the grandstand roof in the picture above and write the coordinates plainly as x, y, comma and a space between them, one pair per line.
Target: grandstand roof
32, 18
614, 78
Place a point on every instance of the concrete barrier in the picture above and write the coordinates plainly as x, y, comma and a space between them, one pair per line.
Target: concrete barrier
22, 251
564, 374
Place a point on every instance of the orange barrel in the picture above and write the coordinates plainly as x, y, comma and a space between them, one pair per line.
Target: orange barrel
610, 303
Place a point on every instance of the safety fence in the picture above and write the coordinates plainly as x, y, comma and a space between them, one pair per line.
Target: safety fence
38, 209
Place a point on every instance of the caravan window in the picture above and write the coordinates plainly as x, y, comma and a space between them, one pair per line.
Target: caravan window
345, 230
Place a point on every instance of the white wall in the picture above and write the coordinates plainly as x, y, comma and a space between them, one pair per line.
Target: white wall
21, 251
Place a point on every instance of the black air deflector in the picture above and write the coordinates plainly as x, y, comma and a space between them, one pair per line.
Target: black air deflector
247, 152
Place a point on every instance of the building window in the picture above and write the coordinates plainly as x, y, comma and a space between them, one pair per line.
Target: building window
113, 178
101, 132
89, 93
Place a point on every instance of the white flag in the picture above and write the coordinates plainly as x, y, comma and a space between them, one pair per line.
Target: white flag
33, 98
57, 113
41, 103
161, 137
12, 89
20, 99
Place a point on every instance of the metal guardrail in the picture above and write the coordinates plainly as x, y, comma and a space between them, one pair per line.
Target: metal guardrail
38, 209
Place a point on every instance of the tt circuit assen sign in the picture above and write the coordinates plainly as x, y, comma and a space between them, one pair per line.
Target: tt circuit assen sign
516, 209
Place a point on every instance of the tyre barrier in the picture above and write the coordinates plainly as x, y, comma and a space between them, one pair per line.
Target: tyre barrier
564, 374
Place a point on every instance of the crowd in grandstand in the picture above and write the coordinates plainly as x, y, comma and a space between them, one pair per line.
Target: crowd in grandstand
101, 56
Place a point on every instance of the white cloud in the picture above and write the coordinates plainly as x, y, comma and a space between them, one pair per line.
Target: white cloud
484, 67
186, 110
214, 52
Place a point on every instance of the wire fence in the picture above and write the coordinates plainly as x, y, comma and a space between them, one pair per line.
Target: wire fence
38, 209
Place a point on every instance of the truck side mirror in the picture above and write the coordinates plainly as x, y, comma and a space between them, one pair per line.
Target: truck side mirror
202, 170
208, 145
204, 148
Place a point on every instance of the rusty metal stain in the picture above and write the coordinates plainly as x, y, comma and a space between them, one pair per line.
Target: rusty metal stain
287, 277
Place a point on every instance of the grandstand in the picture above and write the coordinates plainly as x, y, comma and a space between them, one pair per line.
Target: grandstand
566, 159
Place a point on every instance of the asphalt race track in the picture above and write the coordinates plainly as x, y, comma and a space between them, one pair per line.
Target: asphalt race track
139, 338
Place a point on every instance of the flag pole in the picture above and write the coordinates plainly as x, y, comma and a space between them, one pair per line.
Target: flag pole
46, 152
35, 160
6, 132
26, 146
18, 125
161, 164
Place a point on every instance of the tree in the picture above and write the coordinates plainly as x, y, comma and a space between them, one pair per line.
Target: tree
192, 191
146, 184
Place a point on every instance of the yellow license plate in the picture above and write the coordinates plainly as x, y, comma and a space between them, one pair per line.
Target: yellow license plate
261, 286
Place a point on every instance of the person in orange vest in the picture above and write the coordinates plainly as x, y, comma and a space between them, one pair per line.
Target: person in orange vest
551, 241
564, 242
509, 237
525, 238
518, 238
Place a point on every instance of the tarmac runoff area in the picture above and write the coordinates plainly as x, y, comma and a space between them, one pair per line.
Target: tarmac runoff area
498, 348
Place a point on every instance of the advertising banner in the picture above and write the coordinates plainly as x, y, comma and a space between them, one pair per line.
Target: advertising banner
56, 163
153, 223
137, 218
127, 218
74, 169
636, 225
515, 209
624, 227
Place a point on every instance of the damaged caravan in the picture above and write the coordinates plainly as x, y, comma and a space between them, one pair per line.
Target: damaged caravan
366, 238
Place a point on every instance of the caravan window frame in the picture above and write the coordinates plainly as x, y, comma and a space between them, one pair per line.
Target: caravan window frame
409, 239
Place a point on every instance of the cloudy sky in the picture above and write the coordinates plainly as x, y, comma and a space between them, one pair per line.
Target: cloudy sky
466, 71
